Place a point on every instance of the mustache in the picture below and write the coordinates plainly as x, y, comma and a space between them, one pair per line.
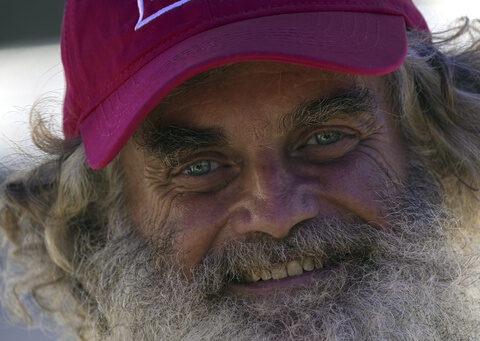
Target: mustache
326, 241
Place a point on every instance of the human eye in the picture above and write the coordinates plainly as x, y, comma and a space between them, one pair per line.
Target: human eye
325, 144
201, 167
326, 137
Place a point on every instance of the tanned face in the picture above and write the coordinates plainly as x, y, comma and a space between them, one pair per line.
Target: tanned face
268, 201
256, 150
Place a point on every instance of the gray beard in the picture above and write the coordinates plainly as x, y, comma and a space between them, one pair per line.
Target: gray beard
405, 283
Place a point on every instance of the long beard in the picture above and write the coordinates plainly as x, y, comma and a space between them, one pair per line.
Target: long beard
404, 283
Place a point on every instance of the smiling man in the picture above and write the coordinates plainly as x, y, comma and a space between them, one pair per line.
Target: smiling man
244, 170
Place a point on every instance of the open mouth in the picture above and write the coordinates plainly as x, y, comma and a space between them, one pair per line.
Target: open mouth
299, 272
282, 270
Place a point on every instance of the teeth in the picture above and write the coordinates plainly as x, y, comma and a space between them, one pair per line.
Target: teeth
266, 275
279, 271
247, 277
308, 264
294, 268
255, 276
251, 277
282, 270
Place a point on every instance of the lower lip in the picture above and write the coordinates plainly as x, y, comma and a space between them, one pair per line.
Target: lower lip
306, 279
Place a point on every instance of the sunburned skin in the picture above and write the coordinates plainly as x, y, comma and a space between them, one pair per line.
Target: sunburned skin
266, 172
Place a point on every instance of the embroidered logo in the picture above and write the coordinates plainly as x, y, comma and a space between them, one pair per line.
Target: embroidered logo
147, 13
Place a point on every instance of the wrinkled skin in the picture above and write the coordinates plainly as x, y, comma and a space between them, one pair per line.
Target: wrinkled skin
248, 169
265, 178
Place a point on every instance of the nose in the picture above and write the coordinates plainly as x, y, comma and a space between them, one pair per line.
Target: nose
275, 198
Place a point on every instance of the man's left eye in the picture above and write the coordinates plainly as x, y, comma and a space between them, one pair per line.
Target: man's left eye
201, 167
325, 137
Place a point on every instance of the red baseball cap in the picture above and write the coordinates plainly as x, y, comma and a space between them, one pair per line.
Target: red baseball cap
121, 57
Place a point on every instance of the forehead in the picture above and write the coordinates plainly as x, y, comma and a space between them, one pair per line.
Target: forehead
269, 87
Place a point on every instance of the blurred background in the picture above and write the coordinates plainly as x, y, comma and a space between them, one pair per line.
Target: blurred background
30, 70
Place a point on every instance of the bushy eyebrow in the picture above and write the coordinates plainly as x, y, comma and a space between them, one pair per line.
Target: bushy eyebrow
172, 143
353, 103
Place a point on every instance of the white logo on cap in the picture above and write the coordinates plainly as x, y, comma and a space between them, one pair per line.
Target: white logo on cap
143, 21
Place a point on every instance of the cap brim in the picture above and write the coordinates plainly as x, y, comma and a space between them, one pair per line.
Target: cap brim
349, 42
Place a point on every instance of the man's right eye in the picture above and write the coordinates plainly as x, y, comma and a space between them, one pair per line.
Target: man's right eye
201, 167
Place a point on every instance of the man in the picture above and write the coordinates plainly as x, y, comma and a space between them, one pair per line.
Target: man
253, 170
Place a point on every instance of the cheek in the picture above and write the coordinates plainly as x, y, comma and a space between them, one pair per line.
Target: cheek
355, 183
197, 218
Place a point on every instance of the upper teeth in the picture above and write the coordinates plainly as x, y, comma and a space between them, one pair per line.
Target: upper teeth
282, 270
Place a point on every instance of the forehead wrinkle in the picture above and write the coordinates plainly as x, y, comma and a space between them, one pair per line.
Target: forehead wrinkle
356, 102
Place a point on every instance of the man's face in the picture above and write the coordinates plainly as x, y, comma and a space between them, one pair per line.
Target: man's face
273, 201
260, 148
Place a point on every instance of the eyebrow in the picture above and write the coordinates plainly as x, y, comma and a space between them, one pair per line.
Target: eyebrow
352, 103
171, 143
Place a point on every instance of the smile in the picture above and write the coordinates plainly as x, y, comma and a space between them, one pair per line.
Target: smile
298, 273
283, 270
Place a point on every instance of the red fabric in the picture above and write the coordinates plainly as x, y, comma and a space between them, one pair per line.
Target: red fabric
116, 74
